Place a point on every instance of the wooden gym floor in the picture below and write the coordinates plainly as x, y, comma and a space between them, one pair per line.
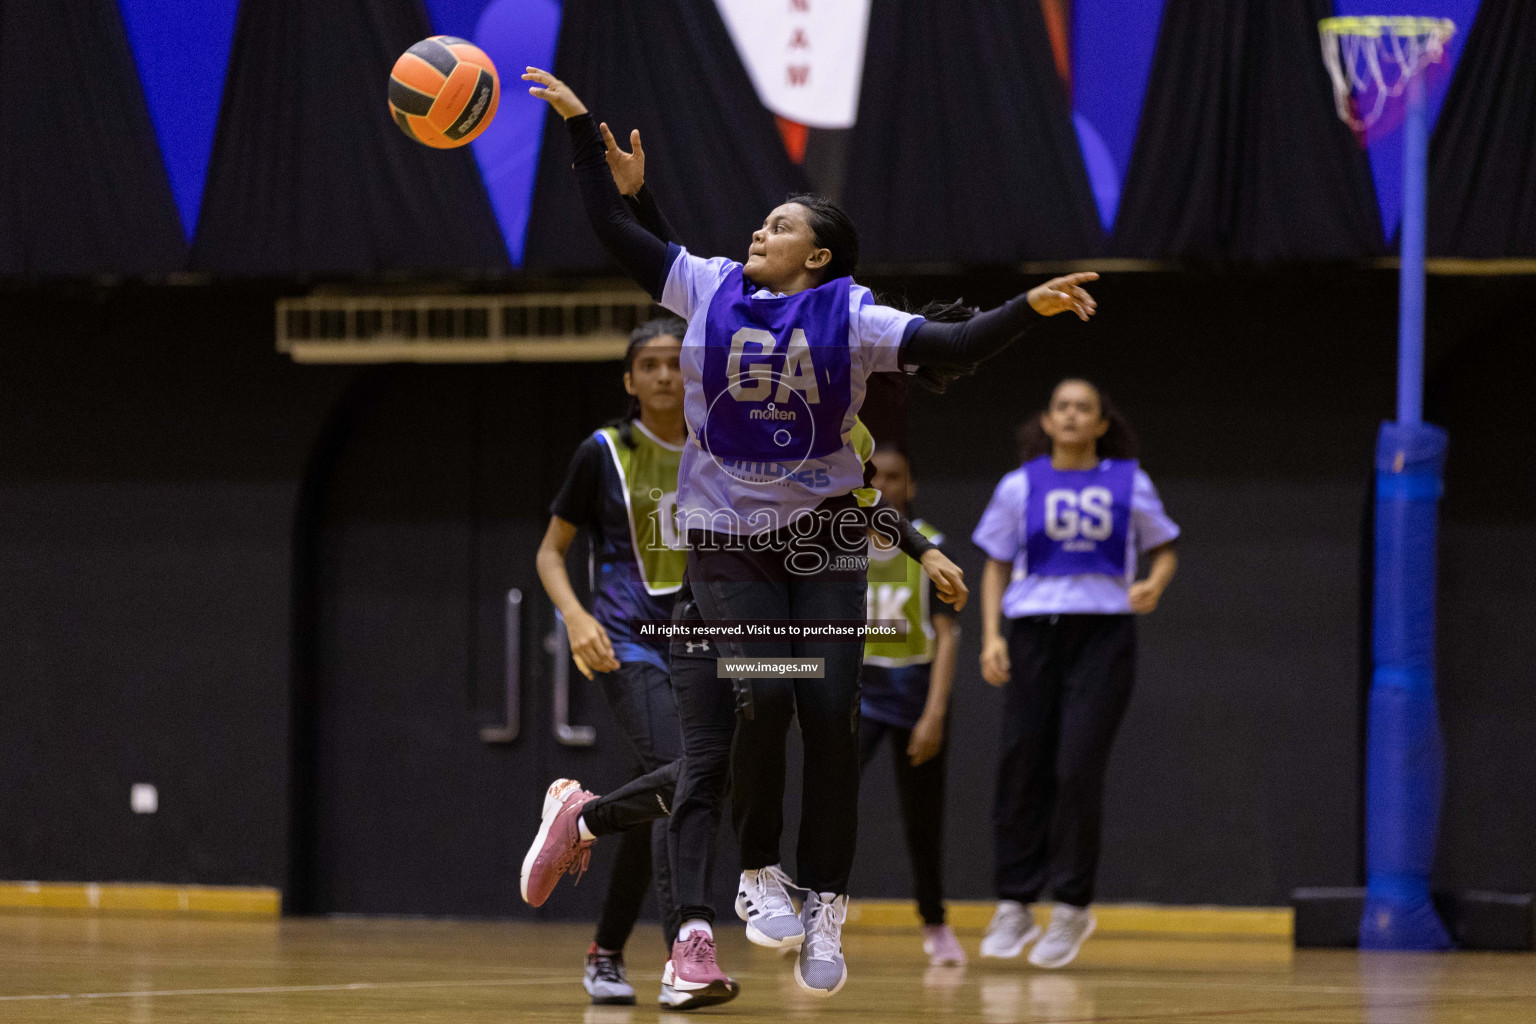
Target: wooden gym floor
158, 970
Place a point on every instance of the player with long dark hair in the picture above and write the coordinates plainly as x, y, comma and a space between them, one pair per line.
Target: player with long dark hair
776, 361
1063, 533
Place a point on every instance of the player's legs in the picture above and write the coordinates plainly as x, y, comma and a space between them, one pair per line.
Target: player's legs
828, 710
1026, 773
640, 801
647, 711
1100, 669
731, 586
707, 711
1095, 696
1022, 801
640, 695
921, 791
627, 886
706, 714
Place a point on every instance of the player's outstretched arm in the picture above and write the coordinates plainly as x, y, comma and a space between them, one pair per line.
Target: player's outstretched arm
968, 342
642, 255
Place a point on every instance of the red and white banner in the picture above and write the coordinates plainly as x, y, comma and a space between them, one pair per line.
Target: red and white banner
805, 57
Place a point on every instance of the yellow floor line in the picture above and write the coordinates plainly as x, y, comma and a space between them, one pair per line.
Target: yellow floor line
1113, 918
131, 898
863, 914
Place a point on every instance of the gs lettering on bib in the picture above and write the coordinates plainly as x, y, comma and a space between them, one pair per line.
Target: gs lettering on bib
777, 372
1078, 521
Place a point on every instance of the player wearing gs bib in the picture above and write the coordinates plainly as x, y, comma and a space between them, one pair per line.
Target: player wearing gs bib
620, 486
1063, 534
776, 361
905, 698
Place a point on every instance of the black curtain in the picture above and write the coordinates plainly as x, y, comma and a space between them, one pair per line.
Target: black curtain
310, 174
1482, 159
964, 148
1239, 153
714, 156
82, 188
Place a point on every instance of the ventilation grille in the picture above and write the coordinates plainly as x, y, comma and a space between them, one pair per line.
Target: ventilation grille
542, 327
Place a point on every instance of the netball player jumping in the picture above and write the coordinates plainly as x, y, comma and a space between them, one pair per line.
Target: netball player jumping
775, 363
1063, 533
692, 790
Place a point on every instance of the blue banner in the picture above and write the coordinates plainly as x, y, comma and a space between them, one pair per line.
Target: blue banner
181, 48
514, 34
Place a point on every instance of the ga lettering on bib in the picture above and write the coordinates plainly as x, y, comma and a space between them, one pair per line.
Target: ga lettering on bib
777, 372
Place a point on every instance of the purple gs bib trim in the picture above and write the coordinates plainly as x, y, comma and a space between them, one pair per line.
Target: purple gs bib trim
1078, 521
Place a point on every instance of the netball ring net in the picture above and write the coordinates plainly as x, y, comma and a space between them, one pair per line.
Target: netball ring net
1372, 61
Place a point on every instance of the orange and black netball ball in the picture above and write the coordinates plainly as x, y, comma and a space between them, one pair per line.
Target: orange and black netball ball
443, 92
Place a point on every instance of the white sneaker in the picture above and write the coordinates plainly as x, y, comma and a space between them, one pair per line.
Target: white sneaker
1011, 929
606, 980
764, 902
1070, 928
821, 970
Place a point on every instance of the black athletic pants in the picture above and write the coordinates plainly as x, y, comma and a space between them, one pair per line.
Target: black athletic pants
640, 695
921, 791
1071, 682
731, 585
691, 789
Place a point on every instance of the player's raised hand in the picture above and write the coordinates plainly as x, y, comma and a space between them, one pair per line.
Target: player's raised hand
948, 578
628, 169
554, 92
1065, 295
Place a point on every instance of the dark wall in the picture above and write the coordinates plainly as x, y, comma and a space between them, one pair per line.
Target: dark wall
1236, 776
151, 450
153, 446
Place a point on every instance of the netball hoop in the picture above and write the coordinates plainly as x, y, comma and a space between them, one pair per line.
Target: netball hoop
1374, 62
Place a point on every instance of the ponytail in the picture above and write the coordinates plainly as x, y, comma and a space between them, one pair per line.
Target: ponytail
939, 378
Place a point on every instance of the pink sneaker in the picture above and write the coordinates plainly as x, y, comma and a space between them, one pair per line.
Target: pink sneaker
558, 849
942, 947
692, 978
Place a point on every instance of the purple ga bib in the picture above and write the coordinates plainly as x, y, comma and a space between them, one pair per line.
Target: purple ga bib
777, 372
1078, 521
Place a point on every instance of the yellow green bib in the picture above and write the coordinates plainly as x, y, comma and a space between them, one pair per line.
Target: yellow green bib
863, 446
648, 477
898, 589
